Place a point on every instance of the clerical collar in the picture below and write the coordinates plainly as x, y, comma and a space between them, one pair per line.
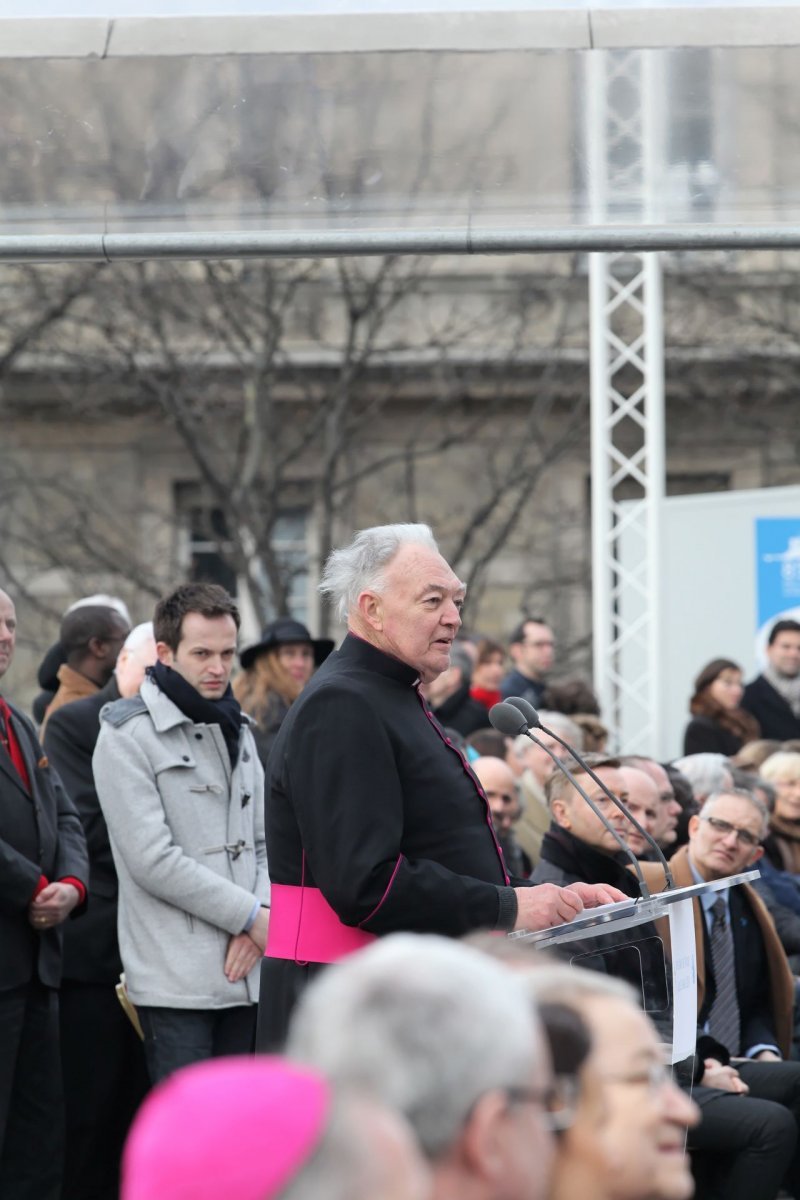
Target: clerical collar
362, 653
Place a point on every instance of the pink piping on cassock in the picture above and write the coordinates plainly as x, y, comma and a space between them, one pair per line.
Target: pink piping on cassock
379, 905
472, 776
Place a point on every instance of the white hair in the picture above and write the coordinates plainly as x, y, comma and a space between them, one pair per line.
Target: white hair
139, 636
102, 600
361, 565
415, 1021
706, 773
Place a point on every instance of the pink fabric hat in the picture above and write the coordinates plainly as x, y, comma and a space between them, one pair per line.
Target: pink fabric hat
234, 1127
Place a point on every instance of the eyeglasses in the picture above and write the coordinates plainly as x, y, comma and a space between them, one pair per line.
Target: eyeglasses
557, 1102
653, 1077
744, 836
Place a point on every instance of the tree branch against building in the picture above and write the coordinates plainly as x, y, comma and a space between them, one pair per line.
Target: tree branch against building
342, 389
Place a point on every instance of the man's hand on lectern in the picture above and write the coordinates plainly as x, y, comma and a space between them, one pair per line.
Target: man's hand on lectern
546, 905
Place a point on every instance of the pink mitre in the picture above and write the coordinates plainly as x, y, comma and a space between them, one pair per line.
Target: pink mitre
240, 1127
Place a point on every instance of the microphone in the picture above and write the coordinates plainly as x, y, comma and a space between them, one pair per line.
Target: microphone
508, 719
532, 721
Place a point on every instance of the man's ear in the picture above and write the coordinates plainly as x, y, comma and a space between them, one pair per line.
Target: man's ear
560, 814
758, 853
483, 1146
165, 654
370, 607
694, 825
97, 647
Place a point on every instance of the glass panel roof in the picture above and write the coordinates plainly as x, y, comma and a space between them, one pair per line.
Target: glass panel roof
395, 140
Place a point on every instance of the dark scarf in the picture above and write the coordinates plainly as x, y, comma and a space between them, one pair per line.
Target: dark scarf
584, 862
225, 712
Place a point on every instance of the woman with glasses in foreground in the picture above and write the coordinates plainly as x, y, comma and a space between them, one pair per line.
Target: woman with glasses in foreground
626, 1139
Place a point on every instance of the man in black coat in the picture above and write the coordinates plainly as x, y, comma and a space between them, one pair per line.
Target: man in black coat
102, 1058
773, 697
44, 871
375, 822
449, 697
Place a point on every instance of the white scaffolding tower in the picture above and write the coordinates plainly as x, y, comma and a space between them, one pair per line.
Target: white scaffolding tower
627, 400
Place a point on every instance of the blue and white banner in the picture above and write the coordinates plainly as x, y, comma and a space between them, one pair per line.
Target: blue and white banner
777, 572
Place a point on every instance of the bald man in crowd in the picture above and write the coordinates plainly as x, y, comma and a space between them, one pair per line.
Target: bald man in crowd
102, 1058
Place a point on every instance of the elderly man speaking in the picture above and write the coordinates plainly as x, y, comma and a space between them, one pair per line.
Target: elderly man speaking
375, 823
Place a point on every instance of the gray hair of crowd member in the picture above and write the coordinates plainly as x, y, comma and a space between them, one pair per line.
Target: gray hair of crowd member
103, 600
761, 788
561, 724
354, 568
416, 1020
710, 804
706, 773
140, 635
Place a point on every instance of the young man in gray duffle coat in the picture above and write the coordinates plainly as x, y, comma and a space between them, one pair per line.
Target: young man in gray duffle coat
182, 791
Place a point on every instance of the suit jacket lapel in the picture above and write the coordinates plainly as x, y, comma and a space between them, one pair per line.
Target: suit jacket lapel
10, 771
7, 765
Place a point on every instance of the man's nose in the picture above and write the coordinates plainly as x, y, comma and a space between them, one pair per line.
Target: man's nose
452, 615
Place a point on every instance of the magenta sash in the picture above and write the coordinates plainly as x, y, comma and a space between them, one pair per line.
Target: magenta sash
304, 928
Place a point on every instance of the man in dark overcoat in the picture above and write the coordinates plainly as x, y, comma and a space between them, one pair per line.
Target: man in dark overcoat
44, 873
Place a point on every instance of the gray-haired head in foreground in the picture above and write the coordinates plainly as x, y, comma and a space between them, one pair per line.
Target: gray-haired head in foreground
354, 568
706, 773
425, 1024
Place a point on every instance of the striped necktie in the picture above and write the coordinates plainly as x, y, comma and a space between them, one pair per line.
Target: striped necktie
724, 1019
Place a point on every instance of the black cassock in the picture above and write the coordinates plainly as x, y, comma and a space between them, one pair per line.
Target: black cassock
370, 808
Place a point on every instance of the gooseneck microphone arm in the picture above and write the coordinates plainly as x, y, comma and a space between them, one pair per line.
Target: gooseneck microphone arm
532, 718
508, 719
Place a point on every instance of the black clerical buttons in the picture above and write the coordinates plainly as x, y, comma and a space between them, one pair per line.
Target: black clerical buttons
185, 757
199, 737
245, 799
